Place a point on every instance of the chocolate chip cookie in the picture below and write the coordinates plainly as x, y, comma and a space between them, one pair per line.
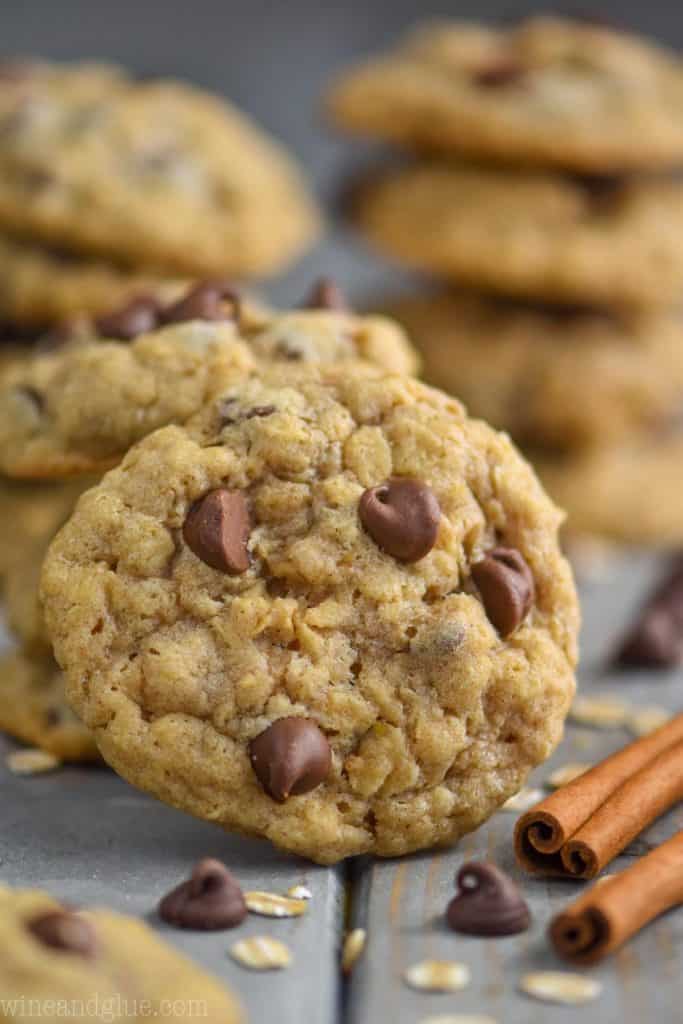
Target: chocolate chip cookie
558, 377
41, 287
532, 234
629, 492
331, 611
78, 409
33, 708
146, 172
548, 90
31, 513
111, 966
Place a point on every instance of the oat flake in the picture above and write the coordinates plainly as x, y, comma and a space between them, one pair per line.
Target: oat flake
523, 801
437, 976
31, 762
261, 953
354, 944
560, 987
268, 904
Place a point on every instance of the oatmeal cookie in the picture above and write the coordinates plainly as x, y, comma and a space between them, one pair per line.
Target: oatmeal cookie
548, 90
612, 242
552, 376
78, 409
330, 611
146, 172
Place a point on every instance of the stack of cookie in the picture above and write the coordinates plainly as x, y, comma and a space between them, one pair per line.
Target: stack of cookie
71, 412
112, 188
550, 206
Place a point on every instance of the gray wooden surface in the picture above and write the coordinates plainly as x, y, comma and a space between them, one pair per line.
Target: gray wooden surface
90, 838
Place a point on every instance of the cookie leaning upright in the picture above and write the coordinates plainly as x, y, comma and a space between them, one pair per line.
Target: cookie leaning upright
550, 91
154, 173
331, 611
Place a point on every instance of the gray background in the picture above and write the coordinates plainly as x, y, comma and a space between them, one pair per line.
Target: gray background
274, 59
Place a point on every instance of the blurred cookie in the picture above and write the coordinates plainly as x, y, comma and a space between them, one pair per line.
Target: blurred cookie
146, 172
33, 708
102, 965
630, 493
548, 90
78, 409
31, 513
555, 377
532, 234
40, 287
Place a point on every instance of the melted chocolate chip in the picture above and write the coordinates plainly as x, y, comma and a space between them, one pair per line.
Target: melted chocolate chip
290, 757
507, 588
217, 530
209, 300
656, 638
402, 516
210, 900
488, 902
138, 316
326, 294
64, 931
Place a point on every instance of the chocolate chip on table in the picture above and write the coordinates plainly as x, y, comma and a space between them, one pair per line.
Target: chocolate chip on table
656, 638
64, 931
217, 530
507, 588
326, 294
210, 900
209, 300
402, 516
291, 757
138, 316
487, 903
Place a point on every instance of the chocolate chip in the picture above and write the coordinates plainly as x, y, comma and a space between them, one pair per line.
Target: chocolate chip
402, 517
291, 757
499, 75
326, 294
488, 902
210, 300
506, 587
656, 638
217, 530
138, 316
604, 193
210, 900
62, 930
229, 415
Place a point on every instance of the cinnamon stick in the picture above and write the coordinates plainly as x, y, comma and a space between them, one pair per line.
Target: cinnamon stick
603, 919
583, 825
